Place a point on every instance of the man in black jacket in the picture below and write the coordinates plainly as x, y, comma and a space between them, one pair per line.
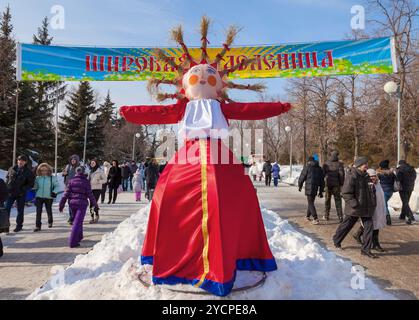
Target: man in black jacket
335, 176
267, 169
407, 177
19, 180
313, 177
360, 202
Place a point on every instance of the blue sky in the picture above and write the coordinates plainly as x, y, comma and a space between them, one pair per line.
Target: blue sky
147, 23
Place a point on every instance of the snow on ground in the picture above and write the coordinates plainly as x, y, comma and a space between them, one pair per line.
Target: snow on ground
285, 174
110, 269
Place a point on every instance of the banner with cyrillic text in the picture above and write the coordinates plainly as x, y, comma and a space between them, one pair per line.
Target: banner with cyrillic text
68, 63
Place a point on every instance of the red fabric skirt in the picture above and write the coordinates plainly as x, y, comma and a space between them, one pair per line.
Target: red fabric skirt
205, 222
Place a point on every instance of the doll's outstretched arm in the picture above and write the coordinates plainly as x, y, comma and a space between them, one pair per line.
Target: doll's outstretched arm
253, 110
159, 114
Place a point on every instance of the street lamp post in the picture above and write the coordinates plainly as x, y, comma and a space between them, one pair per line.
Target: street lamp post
137, 135
288, 129
393, 89
92, 117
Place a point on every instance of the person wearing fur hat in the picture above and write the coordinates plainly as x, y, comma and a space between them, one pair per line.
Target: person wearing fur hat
379, 217
387, 178
77, 193
46, 187
360, 203
97, 178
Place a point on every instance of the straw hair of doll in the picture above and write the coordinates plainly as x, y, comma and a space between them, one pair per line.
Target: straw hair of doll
231, 35
205, 22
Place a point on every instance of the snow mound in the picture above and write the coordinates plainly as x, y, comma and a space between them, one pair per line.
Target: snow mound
110, 269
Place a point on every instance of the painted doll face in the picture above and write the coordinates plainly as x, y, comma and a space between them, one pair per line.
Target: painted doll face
202, 82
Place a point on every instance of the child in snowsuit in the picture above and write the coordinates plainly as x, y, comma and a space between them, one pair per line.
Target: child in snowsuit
77, 193
137, 184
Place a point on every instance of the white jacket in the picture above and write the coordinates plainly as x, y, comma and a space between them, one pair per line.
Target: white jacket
97, 179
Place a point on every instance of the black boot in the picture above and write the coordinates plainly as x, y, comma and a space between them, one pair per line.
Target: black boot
369, 254
1, 248
388, 220
358, 235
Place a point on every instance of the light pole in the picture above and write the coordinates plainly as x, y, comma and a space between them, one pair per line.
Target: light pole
288, 129
137, 135
393, 89
56, 139
92, 117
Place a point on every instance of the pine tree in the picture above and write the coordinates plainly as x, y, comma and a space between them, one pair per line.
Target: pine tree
72, 127
47, 96
7, 87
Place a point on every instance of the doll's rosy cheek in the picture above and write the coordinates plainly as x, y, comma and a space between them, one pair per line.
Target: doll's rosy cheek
212, 81
193, 79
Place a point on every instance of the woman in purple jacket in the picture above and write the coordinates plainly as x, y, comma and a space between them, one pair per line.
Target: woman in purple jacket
77, 193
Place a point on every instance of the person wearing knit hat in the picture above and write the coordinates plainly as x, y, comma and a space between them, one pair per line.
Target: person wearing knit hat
78, 194
361, 161
360, 203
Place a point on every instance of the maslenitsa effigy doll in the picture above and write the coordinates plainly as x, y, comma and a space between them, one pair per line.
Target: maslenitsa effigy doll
205, 222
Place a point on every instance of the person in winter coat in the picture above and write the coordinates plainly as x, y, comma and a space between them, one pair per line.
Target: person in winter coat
267, 170
360, 203
407, 177
133, 169
137, 184
387, 178
313, 178
3, 197
335, 176
69, 173
253, 171
151, 177
275, 173
46, 187
19, 179
106, 167
142, 173
125, 174
259, 164
114, 181
78, 192
97, 178
379, 217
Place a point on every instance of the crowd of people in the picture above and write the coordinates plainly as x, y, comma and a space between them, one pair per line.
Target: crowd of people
85, 186
366, 193
267, 170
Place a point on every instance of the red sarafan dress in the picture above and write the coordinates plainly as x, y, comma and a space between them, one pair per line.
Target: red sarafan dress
205, 221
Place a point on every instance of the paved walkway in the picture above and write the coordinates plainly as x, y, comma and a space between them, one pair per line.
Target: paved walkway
29, 256
26, 264
395, 270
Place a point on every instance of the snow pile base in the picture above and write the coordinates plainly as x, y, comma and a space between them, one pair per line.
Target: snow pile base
285, 174
305, 270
